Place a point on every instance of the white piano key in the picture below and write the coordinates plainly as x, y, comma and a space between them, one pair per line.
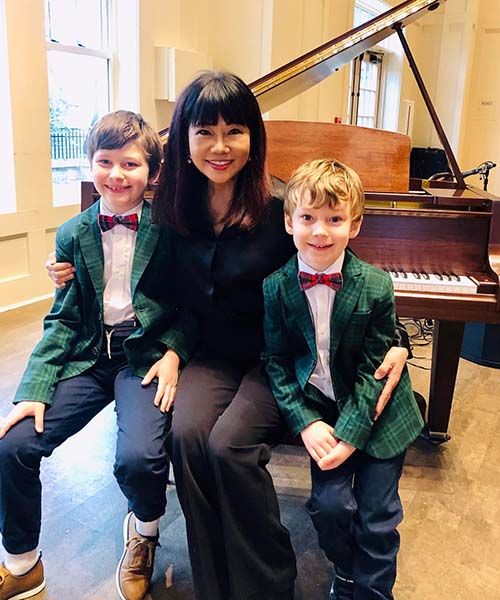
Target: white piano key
433, 283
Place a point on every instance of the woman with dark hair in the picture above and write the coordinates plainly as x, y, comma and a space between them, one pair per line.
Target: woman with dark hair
215, 192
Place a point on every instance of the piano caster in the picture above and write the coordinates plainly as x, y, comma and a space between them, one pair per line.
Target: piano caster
436, 438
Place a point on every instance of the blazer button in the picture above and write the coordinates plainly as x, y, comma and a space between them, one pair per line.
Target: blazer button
95, 351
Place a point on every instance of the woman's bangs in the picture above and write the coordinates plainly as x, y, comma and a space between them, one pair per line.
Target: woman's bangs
218, 100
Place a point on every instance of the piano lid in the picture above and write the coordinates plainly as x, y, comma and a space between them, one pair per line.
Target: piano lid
301, 74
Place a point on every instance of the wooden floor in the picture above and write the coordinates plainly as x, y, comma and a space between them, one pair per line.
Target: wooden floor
450, 535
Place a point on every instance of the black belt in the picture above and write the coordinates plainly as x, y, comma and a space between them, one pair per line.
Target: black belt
124, 326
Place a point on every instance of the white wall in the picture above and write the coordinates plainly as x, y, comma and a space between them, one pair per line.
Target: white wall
480, 134
298, 27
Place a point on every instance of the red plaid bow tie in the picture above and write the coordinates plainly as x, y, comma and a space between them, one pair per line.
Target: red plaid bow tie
106, 222
308, 280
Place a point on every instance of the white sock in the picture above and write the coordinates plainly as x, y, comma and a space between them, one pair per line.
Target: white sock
20, 564
147, 528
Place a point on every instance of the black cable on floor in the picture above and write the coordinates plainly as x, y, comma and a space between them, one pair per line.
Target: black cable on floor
420, 332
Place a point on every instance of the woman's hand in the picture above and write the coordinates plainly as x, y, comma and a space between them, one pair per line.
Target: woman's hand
59, 272
166, 370
392, 367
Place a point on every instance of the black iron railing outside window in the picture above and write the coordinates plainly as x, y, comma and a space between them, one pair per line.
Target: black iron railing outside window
68, 144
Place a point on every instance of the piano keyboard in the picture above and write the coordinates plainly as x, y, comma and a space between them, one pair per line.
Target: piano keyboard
423, 282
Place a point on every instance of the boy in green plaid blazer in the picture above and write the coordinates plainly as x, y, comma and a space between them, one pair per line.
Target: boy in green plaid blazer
329, 321
106, 328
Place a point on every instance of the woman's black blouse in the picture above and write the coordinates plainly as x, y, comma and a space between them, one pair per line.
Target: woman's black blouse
221, 282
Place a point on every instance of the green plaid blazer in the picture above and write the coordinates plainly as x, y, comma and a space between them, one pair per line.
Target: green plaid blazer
362, 331
74, 328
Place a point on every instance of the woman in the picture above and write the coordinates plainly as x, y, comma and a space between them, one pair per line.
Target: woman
214, 191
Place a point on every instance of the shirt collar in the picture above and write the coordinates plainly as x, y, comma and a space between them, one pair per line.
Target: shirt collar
335, 267
103, 210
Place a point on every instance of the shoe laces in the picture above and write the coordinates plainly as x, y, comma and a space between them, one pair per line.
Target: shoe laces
141, 553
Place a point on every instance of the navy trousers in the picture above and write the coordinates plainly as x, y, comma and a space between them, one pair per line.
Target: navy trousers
356, 509
141, 466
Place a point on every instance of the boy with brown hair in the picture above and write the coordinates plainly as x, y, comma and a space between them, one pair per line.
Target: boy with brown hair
106, 328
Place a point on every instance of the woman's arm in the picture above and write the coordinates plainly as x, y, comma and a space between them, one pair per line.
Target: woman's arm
392, 366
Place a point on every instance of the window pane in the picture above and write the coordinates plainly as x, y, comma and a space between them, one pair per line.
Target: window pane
78, 90
77, 23
362, 15
368, 93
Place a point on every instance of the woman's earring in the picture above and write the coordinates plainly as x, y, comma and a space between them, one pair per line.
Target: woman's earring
189, 159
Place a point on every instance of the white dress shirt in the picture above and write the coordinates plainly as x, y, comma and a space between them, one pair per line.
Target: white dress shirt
320, 299
118, 245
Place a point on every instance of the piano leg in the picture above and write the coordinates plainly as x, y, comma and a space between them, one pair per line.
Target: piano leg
446, 345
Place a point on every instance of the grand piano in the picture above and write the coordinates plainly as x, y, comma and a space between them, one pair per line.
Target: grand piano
439, 240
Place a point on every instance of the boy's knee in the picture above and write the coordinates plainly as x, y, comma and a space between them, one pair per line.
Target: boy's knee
8, 450
16, 449
332, 508
138, 463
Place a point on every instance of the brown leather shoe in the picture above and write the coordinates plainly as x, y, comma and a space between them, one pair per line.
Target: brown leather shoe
14, 587
135, 568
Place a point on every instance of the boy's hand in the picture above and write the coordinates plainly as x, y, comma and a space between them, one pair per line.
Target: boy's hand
392, 367
166, 370
60, 273
337, 456
20, 412
318, 439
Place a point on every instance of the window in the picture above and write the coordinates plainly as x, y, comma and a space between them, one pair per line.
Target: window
79, 63
365, 88
8, 197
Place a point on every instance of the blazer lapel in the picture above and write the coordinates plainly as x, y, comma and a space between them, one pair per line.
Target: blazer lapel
296, 302
89, 235
345, 300
147, 239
